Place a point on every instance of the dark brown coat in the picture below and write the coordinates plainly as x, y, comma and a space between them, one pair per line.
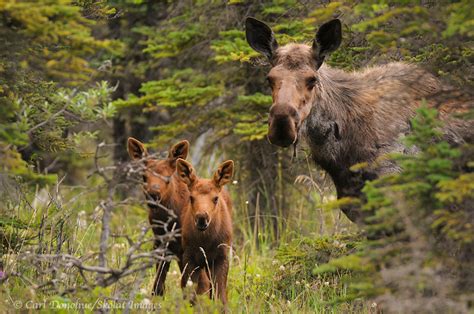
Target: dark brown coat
166, 195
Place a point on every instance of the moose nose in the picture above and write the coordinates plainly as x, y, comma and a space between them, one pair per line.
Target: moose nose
283, 125
202, 221
153, 197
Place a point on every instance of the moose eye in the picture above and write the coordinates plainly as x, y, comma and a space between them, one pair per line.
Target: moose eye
311, 82
270, 81
215, 199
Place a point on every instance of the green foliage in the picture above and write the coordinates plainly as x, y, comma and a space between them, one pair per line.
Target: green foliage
43, 120
425, 213
232, 46
461, 19
47, 47
52, 38
184, 88
248, 126
170, 41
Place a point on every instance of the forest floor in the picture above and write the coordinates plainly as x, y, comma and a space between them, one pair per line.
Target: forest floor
264, 276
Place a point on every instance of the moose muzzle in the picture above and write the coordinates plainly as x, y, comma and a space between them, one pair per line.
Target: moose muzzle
202, 221
283, 125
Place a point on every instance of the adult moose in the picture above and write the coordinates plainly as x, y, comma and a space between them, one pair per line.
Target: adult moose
346, 118
166, 195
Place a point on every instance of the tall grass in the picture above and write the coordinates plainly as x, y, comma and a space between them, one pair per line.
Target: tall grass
267, 273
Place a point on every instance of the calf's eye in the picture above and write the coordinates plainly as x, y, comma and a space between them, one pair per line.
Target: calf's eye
191, 199
215, 199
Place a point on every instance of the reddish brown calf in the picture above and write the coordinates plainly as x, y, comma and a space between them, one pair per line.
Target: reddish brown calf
207, 229
166, 196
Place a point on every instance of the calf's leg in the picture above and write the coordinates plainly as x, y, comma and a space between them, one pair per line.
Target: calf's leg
204, 283
221, 269
161, 272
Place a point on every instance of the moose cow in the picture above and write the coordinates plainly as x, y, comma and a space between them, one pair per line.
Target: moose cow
166, 195
207, 229
346, 118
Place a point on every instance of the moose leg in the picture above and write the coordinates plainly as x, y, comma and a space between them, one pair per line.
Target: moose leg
193, 273
204, 283
186, 274
221, 268
161, 272
180, 262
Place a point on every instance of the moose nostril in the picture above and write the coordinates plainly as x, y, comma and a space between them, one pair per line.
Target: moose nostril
201, 221
154, 196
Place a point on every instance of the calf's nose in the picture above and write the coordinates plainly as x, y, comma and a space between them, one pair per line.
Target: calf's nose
202, 221
153, 197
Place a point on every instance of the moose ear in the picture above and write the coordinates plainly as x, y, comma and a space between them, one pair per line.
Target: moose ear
136, 149
186, 172
224, 173
179, 150
328, 38
260, 37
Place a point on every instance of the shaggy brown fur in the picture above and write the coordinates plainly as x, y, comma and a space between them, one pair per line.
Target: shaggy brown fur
166, 195
346, 118
207, 229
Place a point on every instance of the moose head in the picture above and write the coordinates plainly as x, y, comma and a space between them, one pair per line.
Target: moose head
293, 77
157, 172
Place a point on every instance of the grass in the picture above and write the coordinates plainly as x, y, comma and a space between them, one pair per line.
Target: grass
265, 275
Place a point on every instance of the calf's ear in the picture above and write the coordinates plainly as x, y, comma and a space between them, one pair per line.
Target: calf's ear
224, 173
136, 149
179, 150
328, 38
186, 172
260, 37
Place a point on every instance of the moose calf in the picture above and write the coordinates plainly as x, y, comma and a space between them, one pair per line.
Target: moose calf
206, 229
166, 195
